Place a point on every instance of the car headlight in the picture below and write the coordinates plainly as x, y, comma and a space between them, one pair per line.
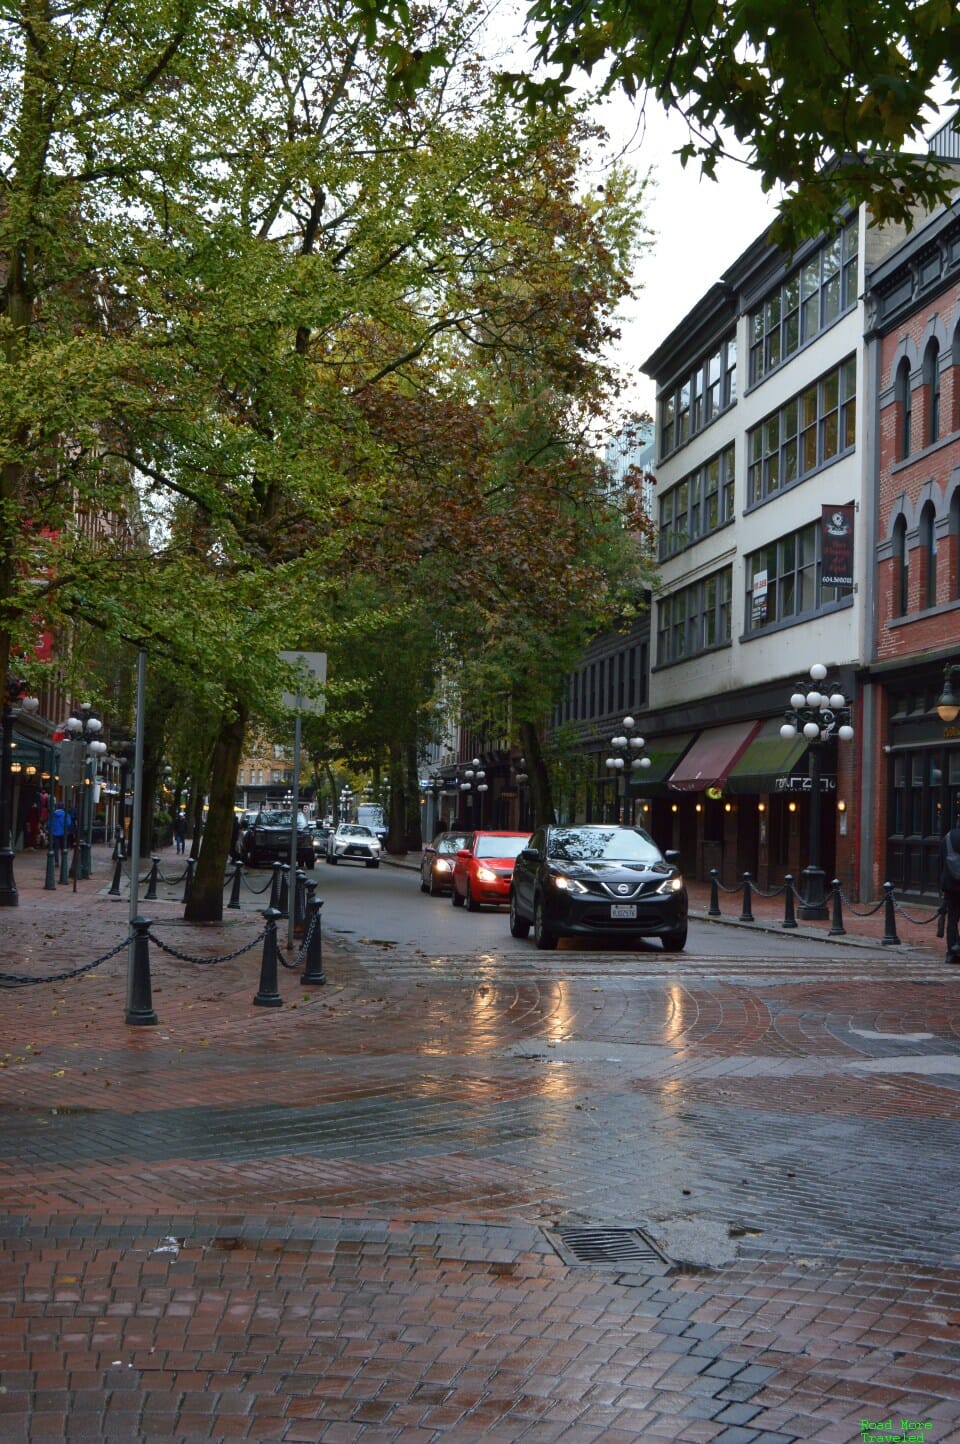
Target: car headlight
484, 874
568, 884
440, 864
671, 884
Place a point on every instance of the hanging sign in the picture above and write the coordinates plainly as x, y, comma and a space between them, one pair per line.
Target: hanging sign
836, 545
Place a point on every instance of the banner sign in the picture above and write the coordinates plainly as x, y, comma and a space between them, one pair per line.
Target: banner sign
799, 782
836, 545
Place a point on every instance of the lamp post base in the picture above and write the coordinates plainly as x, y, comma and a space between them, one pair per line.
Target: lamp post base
9, 897
814, 905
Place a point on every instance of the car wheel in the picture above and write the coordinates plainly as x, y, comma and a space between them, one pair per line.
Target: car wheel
472, 905
434, 889
519, 927
544, 939
331, 858
423, 885
455, 897
674, 942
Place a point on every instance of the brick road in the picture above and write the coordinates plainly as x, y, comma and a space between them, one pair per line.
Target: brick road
341, 1219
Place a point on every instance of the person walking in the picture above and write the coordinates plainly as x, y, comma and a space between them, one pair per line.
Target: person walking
950, 888
58, 830
180, 832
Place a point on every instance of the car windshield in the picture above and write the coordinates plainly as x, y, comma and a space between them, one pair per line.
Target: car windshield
500, 846
611, 844
352, 829
454, 842
280, 819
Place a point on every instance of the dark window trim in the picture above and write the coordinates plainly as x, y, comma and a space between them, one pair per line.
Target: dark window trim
797, 621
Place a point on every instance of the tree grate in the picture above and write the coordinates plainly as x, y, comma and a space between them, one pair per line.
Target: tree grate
610, 1247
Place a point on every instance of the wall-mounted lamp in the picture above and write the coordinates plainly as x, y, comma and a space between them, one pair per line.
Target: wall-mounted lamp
791, 807
948, 703
674, 807
841, 807
698, 807
761, 807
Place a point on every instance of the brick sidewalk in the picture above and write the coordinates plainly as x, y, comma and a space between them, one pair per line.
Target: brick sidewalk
338, 1220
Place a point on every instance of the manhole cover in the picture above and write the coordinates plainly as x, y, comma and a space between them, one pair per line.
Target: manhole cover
613, 1247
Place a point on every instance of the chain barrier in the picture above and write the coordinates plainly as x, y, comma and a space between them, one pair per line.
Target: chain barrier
13, 980
919, 922
172, 881
189, 958
301, 956
250, 888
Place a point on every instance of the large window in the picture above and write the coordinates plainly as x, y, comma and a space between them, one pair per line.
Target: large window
904, 399
698, 505
695, 618
808, 301
901, 568
931, 380
699, 397
928, 554
812, 429
783, 581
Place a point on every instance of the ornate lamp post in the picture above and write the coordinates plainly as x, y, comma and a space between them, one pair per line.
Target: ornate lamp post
15, 700
820, 711
626, 759
522, 778
86, 730
475, 779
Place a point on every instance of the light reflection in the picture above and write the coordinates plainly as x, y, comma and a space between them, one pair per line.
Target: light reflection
675, 1006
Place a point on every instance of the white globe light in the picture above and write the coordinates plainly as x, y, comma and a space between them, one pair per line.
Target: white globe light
818, 671
618, 741
642, 762
814, 699
637, 742
73, 724
94, 724
810, 731
30, 704
837, 699
845, 733
788, 730
799, 699
628, 722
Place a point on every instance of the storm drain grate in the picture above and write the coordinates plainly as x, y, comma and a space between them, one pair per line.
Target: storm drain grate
613, 1247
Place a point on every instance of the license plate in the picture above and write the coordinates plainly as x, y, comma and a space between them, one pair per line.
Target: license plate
623, 910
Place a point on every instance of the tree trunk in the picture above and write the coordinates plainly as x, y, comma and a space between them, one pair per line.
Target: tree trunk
205, 904
541, 790
396, 827
413, 835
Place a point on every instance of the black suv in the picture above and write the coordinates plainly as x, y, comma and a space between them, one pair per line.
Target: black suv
592, 880
267, 839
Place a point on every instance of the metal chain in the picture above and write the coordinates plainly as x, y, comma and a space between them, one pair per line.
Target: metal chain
15, 979
171, 881
253, 889
861, 912
919, 922
188, 958
301, 956
777, 891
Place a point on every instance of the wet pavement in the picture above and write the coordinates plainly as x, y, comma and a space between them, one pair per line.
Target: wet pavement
357, 1216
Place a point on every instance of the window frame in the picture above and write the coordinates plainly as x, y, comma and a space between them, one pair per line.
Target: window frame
793, 564
798, 309
793, 442
695, 619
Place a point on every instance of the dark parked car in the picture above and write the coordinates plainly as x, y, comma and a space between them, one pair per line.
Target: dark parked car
267, 839
439, 856
591, 880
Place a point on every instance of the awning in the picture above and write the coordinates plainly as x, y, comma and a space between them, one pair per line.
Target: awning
768, 757
711, 757
664, 754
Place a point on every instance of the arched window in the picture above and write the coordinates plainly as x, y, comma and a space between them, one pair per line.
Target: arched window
900, 568
903, 400
931, 380
928, 555
954, 591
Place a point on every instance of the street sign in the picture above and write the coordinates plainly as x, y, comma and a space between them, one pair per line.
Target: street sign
72, 757
313, 668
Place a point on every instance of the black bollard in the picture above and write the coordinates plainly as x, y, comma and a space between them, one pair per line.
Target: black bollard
139, 999
275, 885
151, 893
713, 911
889, 938
284, 902
746, 915
837, 930
65, 864
237, 879
50, 881
117, 875
789, 916
313, 967
267, 994
188, 880
300, 902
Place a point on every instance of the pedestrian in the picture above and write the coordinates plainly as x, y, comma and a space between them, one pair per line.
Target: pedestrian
180, 831
58, 830
950, 888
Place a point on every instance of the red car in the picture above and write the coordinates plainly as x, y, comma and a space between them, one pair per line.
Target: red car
482, 871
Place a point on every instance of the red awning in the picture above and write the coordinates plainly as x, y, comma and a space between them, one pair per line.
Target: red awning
711, 757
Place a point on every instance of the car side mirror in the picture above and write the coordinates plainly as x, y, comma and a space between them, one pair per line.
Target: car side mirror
673, 856
529, 854
464, 852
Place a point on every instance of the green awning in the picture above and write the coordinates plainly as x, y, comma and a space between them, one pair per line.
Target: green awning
664, 754
768, 757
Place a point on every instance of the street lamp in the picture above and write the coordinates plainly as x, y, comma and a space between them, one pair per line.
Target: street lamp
86, 730
948, 703
475, 779
820, 712
346, 797
522, 778
15, 701
626, 760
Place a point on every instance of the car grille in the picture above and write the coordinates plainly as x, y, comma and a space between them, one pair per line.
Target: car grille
616, 891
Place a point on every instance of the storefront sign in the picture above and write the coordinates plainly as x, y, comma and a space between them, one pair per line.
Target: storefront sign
836, 545
799, 782
759, 611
